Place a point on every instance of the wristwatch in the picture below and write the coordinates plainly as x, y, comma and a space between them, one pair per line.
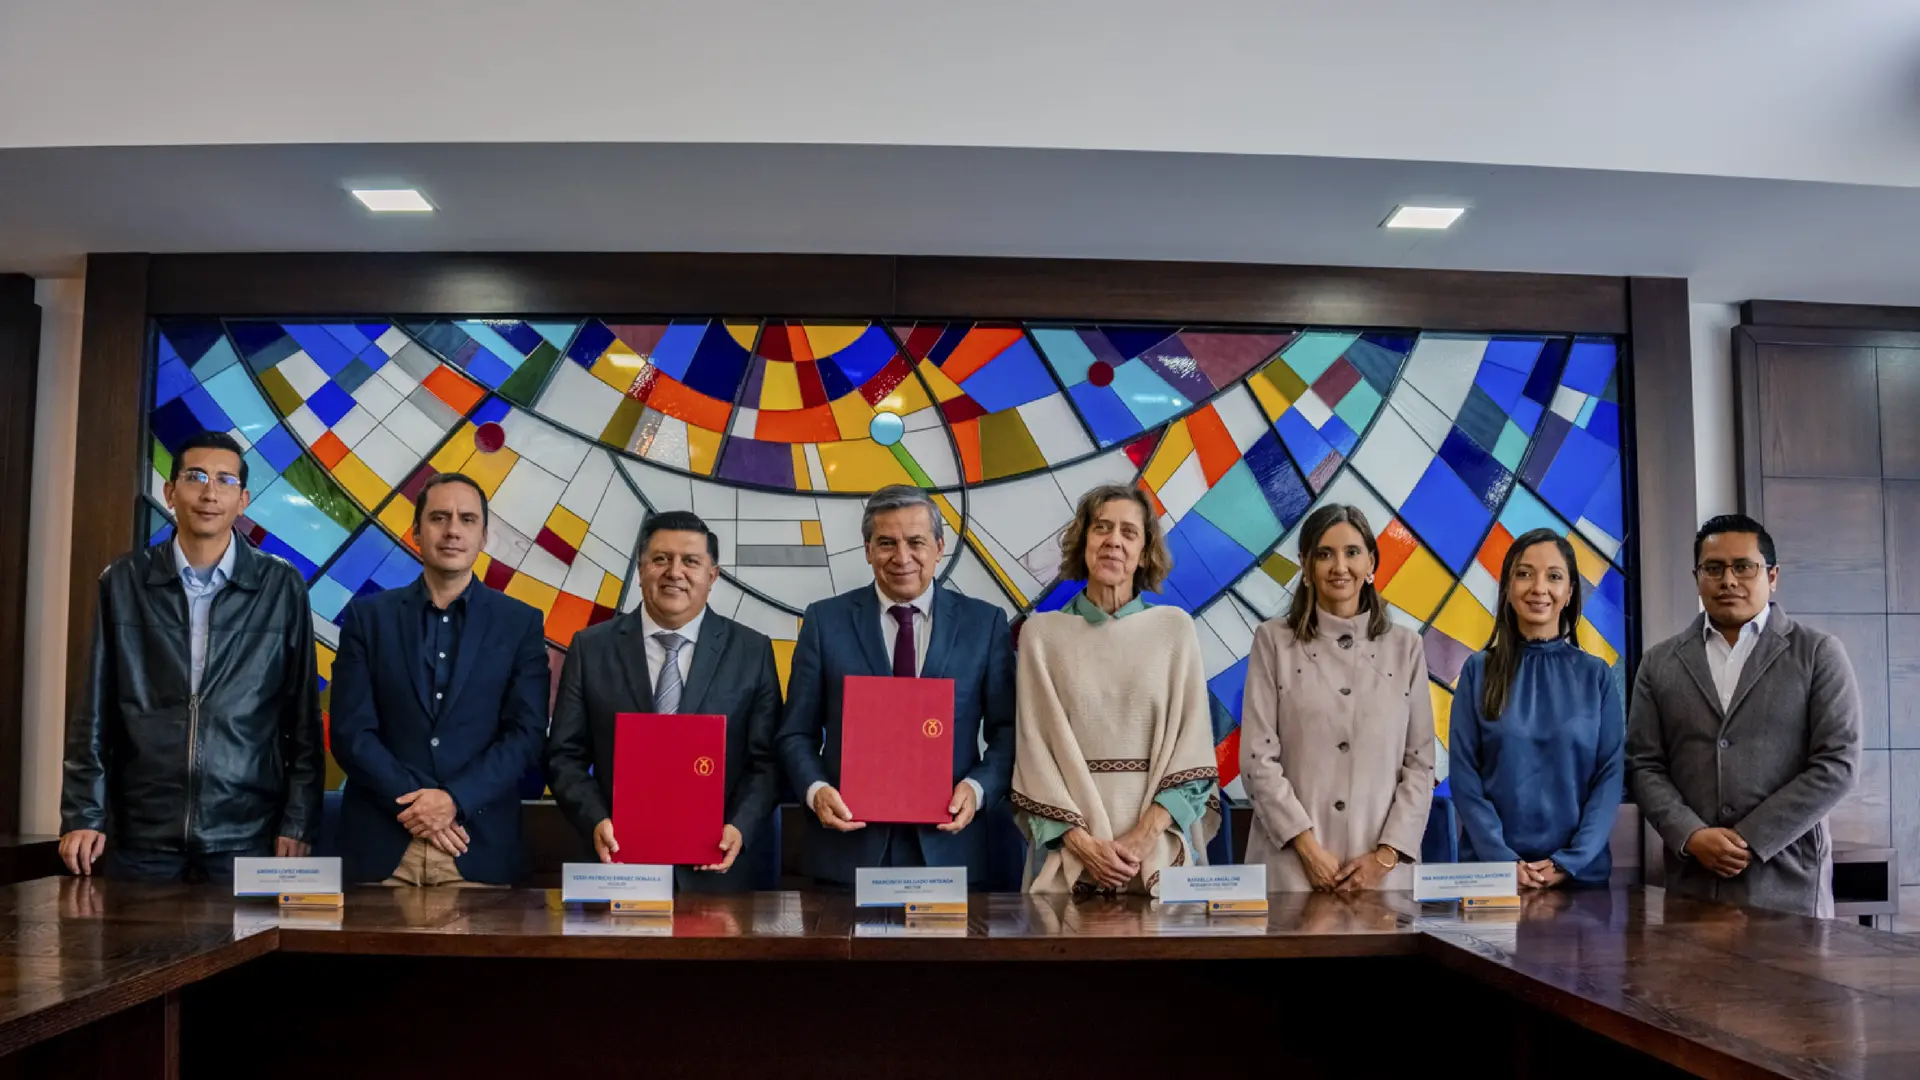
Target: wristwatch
1385, 863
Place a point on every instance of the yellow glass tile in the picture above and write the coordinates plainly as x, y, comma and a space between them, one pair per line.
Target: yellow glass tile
780, 388
1464, 620
488, 470
783, 663
453, 456
947, 511
609, 591
284, 396
360, 481
703, 449
1593, 566
907, 398
336, 776
1174, 447
944, 389
1006, 446
1442, 712
860, 466
480, 565
397, 516
531, 590
811, 535
744, 333
827, 340
1006, 582
323, 660
1420, 585
854, 416
619, 367
1271, 399
567, 526
1592, 641
1280, 568
802, 480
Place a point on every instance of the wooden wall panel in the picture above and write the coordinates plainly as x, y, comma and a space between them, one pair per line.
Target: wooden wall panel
1660, 456
1903, 545
1831, 544
1819, 412
19, 374
1899, 379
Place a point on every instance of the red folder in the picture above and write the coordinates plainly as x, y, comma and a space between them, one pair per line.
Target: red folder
896, 749
669, 788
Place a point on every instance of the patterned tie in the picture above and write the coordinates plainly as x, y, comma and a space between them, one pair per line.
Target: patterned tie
666, 697
903, 654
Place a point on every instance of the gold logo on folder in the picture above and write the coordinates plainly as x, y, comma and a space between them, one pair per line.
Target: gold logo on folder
703, 766
931, 728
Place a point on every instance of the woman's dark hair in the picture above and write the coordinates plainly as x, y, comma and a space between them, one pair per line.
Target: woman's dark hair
1304, 615
1503, 655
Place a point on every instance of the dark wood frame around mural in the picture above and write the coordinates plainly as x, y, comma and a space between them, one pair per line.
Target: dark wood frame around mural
19, 379
125, 290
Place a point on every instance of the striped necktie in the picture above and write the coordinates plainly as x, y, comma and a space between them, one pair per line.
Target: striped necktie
666, 697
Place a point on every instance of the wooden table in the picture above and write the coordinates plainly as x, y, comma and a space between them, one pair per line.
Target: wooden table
112, 980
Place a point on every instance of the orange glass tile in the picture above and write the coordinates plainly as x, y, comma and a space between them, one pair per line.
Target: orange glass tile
1396, 545
797, 426
975, 350
329, 449
966, 434
567, 617
811, 534
679, 401
1494, 552
1213, 442
459, 394
1159, 508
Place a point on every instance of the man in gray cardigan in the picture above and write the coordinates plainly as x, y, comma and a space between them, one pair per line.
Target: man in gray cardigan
1743, 734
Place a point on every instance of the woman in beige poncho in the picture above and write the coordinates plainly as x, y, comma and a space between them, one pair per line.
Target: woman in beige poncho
1114, 775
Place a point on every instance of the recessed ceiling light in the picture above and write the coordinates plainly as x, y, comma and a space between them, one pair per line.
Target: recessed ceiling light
1423, 217
393, 200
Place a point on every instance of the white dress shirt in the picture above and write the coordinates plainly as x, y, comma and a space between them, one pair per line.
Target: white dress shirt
201, 588
1728, 661
922, 637
657, 652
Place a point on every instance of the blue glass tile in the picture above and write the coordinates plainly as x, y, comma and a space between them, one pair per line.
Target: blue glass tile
1546, 371
442, 337
1239, 508
1501, 385
1613, 586
173, 424
1313, 352
286, 513
277, 446
1585, 414
487, 369
1481, 417
492, 411
218, 358
1393, 343
864, 358
1146, 394
1286, 492
1486, 477
836, 384
522, 337
1066, 352
172, 380
1526, 415
1103, 412
950, 339
327, 597
1511, 449
1605, 509
273, 545
1010, 380
1189, 583
1229, 688
356, 564
1447, 515
162, 534
1059, 596
594, 337
330, 403
1577, 470
259, 472
1378, 359
1305, 443
718, 364
1589, 366
1525, 512
1516, 355
1545, 446
1132, 341
1223, 559
397, 569
1604, 423
489, 340
1606, 618
1339, 436
321, 347
240, 399
191, 341
353, 338
355, 374
1173, 361
263, 344
206, 410
559, 335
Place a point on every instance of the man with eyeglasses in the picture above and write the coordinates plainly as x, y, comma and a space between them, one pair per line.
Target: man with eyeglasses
199, 737
1743, 734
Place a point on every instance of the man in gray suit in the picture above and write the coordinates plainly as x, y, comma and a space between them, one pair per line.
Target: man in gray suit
671, 655
1743, 734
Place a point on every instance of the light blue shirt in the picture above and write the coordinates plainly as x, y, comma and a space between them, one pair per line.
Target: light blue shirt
202, 587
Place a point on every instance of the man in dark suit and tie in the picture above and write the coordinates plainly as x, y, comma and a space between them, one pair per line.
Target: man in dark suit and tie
671, 655
902, 625
439, 703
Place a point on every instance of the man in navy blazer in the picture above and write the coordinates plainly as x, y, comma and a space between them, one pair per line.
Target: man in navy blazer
439, 708
901, 625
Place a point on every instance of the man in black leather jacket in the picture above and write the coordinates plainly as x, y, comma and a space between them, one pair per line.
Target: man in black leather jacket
200, 736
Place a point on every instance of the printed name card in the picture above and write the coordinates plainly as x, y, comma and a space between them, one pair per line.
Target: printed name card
309, 882
1226, 890
1472, 882
932, 890
630, 888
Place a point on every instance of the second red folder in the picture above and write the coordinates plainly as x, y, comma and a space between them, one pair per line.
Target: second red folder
669, 788
896, 749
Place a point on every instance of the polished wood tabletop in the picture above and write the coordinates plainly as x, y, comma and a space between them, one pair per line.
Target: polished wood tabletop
1713, 989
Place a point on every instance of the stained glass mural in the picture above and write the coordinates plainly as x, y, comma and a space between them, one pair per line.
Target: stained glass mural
774, 431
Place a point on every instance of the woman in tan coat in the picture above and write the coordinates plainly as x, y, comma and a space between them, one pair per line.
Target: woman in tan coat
1336, 740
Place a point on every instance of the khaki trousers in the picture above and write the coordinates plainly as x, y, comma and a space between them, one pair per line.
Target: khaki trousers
424, 864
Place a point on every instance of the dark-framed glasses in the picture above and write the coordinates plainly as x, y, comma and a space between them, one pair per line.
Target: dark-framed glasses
197, 478
1743, 569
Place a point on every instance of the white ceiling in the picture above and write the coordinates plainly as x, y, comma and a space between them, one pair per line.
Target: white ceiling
1735, 238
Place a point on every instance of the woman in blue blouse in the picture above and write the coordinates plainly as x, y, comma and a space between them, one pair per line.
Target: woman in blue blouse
1538, 729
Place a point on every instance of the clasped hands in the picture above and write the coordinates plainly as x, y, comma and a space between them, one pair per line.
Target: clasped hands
431, 815
1722, 851
1113, 863
1327, 874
